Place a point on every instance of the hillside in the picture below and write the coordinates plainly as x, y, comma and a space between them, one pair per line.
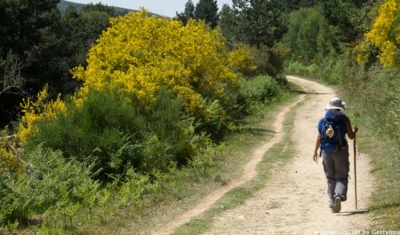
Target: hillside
63, 5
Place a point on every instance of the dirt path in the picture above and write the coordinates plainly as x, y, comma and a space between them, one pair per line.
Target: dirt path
294, 201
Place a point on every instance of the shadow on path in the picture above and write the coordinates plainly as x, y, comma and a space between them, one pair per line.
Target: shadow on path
311, 93
358, 212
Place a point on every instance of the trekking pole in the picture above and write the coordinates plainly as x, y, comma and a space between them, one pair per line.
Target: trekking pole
355, 170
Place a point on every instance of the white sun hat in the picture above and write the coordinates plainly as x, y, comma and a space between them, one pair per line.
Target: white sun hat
336, 103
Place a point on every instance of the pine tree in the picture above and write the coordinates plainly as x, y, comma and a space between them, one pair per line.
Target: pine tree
208, 10
188, 13
255, 22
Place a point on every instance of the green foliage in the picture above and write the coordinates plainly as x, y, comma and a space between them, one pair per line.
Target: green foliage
51, 182
255, 23
61, 196
97, 133
332, 70
229, 25
261, 89
373, 95
257, 91
47, 45
288, 6
348, 17
66, 44
378, 99
269, 61
309, 36
111, 135
170, 137
299, 68
21, 24
187, 14
207, 10
133, 149
259, 24
66, 197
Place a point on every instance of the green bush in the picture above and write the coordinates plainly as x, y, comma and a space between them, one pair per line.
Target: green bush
298, 68
102, 132
309, 35
52, 183
332, 70
111, 135
375, 94
261, 89
258, 90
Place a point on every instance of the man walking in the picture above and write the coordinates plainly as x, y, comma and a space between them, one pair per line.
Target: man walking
332, 131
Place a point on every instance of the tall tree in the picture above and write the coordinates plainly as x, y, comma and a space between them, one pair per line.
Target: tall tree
348, 16
208, 10
309, 36
255, 22
293, 5
65, 45
229, 23
263, 23
39, 46
189, 13
21, 26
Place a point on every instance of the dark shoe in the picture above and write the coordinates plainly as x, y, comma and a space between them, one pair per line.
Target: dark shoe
337, 206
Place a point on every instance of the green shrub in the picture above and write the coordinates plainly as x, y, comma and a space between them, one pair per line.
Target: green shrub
102, 133
332, 70
269, 60
50, 183
256, 91
110, 134
261, 89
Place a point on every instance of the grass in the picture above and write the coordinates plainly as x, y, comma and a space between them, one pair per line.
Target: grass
385, 200
374, 94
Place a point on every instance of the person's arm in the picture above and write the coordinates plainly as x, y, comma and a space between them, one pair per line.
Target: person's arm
351, 130
317, 143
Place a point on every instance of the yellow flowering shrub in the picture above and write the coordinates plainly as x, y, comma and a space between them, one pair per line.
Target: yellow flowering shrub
34, 111
8, 159
361, 52
242, 59
140, 54
384, 34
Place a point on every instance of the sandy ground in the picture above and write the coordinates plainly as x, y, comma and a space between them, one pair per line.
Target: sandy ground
294, 201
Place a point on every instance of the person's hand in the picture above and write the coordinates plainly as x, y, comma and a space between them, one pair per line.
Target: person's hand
355, 128
315, 157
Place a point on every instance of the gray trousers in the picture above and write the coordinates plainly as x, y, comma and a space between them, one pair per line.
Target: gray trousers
336, 166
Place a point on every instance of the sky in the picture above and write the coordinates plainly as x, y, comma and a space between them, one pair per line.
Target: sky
161, 7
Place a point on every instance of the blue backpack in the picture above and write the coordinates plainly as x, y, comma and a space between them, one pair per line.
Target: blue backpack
334, 120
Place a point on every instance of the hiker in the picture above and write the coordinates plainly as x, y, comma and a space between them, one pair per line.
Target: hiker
332, 131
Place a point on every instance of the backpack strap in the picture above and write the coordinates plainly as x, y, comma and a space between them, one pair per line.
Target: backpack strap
339, 136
